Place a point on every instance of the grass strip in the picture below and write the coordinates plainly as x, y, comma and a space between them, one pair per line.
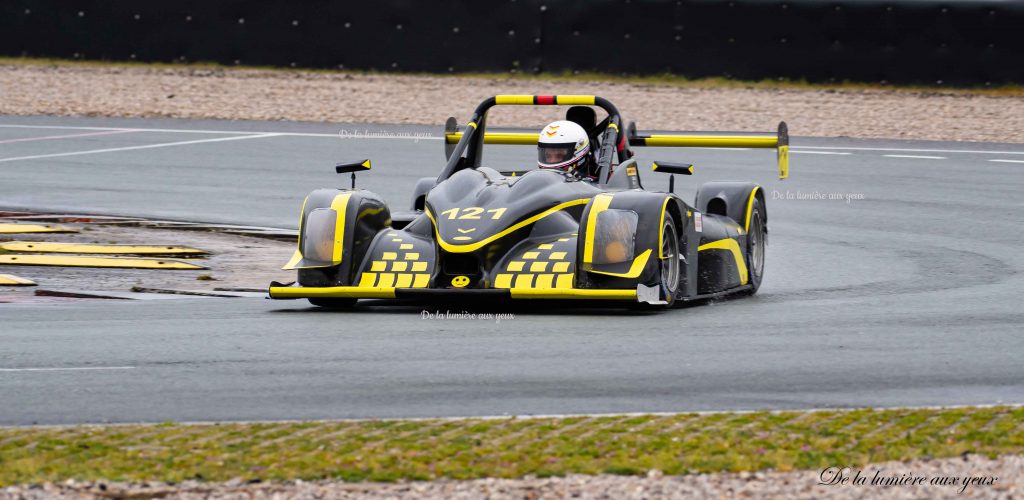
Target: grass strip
390, 450
575, 77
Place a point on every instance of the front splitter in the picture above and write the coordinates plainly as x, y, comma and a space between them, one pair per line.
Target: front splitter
278, 291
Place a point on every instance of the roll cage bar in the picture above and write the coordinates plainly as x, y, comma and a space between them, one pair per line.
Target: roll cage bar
613, 139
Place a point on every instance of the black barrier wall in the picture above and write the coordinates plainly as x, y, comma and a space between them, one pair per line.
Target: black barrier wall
973, 42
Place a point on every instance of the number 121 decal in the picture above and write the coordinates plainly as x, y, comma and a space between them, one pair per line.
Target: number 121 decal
473, 213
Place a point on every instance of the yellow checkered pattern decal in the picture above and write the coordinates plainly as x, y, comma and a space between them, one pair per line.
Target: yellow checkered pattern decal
547, 265
397, 267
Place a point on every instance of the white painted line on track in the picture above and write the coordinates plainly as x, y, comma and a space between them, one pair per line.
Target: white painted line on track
550, 416
67, 136
338, 135
536, 416
1009, 161
818, 152
147, 146
911, 150
414, 137
174, 130
68, 369
916, 157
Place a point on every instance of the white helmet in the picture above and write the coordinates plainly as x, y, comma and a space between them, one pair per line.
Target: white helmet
563, 145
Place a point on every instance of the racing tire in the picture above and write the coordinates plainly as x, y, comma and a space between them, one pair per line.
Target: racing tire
669, 268
756, 245
332, 303
670, 265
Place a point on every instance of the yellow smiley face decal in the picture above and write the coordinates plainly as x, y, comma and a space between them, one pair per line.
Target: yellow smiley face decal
460, 281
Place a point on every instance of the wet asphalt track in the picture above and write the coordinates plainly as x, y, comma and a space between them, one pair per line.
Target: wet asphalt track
909, 296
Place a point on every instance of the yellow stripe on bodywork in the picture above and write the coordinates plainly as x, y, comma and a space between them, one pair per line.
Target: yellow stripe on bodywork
750, 206
12, 280
530, 280
393, 280
722, 141
302, 215
600, 204
513, 99
545, 280
731, 245
351, 292
661, 229
339, 205
54, 247
572, 293
297, 256
565, 281
34, 228
448, 247
79, 261
503, 280
634, 270
570, 100
294, 261
403, 280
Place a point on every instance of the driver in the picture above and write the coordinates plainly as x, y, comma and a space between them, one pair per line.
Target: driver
564, 145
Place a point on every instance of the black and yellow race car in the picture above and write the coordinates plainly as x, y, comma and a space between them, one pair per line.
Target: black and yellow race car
476, 232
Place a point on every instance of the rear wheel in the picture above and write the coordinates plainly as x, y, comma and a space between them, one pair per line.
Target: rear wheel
756, 245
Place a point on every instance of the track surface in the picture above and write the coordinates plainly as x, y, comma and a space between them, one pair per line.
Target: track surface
909, 296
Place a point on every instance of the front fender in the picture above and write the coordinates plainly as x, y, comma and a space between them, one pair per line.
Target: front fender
643, 266
335, 229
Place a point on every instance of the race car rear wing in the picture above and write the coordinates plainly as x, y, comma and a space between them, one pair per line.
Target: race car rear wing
778, 141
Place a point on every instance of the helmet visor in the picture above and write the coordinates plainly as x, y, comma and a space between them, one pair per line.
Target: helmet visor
554, 154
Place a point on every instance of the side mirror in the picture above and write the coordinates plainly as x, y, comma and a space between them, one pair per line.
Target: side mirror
342, 168
672, 168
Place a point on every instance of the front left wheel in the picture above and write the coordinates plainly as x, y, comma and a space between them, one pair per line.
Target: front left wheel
670, 261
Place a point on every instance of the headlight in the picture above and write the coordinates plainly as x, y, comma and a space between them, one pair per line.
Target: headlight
318, 235
613, 236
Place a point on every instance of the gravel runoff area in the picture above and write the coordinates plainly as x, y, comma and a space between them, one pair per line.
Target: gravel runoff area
987, 478
324, 96
235, 261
